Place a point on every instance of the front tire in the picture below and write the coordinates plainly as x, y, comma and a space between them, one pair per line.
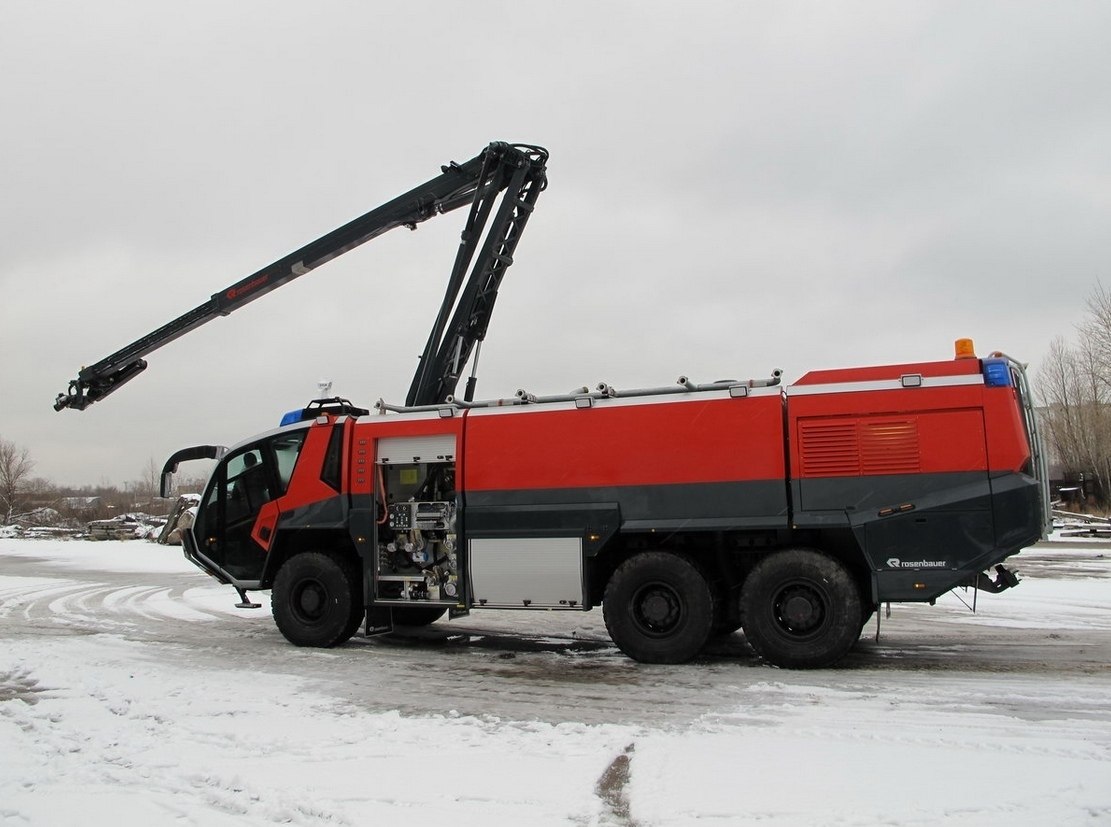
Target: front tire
316, 599
658, 608
800, 609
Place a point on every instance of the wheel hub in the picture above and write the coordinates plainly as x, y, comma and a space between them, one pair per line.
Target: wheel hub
310, 600
657, 609
799, 609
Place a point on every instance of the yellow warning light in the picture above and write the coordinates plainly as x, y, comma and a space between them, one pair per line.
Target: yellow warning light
964, 349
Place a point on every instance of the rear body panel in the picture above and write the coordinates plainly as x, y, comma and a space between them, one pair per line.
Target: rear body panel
928, 466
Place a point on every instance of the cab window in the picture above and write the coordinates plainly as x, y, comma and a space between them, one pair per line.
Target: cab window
286, 448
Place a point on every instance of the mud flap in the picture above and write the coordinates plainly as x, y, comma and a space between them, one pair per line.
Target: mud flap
379, 621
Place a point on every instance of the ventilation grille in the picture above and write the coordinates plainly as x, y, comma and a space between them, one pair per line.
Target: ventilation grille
859, 447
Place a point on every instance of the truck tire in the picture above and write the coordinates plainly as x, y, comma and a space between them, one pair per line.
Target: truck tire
316, 599
358, 615
800, 609
866, 613
416, 615
658, 608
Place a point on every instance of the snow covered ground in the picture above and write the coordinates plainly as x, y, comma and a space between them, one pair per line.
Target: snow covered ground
133, 692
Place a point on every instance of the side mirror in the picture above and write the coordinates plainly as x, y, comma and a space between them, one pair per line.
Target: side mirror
184, 455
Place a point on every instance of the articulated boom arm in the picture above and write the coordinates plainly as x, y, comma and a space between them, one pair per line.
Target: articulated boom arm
476, 182
450, 344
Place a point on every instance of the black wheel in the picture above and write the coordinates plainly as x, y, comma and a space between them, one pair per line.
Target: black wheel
866, 613
358, 615
416, 615
316, 599
658, 608
800, 609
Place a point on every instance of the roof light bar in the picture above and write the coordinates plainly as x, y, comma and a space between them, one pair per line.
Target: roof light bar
997, 373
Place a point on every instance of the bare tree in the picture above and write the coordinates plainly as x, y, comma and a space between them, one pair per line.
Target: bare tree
1075, 388
1095, 331
15, 471
191, 485
1058, 386
148, 484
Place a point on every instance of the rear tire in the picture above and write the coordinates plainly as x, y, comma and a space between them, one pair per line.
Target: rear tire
800, 609
658, 608
316, 599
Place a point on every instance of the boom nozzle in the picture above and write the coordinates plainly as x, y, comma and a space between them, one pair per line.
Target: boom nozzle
83, 392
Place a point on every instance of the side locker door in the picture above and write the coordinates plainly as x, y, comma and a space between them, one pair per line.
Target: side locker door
416, 561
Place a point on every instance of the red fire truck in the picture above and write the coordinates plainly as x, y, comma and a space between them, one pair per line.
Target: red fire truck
685, 511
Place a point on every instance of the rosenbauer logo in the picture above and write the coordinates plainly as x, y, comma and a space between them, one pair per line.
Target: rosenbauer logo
896, 563
243, 289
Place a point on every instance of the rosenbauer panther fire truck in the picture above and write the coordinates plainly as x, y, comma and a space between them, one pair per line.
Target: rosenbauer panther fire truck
685, 511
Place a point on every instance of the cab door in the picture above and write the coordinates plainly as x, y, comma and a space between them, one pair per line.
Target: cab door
244, 481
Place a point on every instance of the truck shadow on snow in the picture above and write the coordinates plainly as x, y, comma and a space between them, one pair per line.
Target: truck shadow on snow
506, 646
591, 656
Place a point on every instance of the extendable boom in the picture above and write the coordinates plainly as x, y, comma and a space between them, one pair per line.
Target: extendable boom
450, 343
473, 182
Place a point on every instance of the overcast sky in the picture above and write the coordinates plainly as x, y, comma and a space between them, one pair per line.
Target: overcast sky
734, 187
